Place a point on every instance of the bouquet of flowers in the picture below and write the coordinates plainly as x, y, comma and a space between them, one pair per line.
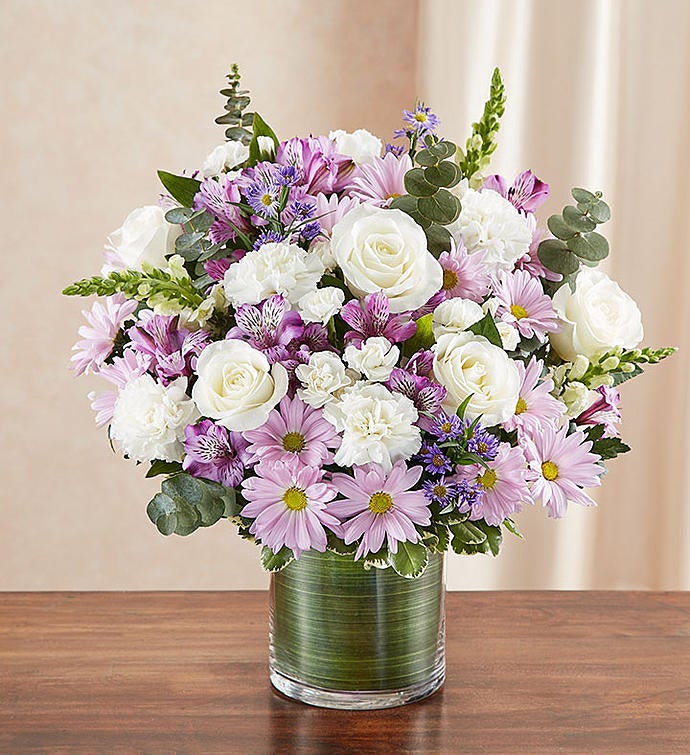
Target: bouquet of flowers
373, 350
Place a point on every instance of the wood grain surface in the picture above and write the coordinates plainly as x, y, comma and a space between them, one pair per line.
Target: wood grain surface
528, 672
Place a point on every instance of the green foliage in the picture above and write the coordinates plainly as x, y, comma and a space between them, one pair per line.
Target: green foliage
159, 467
336, 545
238, 121
470, 538
607, 448
192, 245
481, 145
410, 560
274, 562
149, 285
423, 337
618, 365
181, 188
576, 240
487, 327
186, 503
260, 128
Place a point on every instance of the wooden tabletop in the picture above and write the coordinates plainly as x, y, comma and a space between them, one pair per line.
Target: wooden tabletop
531, 672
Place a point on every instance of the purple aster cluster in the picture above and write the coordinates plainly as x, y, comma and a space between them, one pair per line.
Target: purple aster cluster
419, 122
446, 426
481, 442
435, 460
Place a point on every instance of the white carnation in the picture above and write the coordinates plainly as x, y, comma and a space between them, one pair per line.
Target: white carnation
510, 337
224, 157
376, 358
322, 378
321, 304
455, 315
275, 268
149, 419
376, 425
361, 145
322, 249
489, 223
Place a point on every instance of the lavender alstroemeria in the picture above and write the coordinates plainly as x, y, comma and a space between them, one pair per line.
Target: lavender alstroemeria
421, 363
173, 349
218, 197
320, 166
604, 411
269, 326
526, 193
424, 393
215, 453
372, 317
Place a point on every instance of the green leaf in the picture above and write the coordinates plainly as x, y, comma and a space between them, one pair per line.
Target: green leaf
162, 512
555, 256
493, 535
417, 185
460, 411
260, 128
426, 158
600, 211
582, 195
558, 227
406, 203
487, 327
443, 150
336, 545
186, 241
274, 562
577, 220
467, 532
609, 448
410, 560
442, 207
159, 467
510, 525
423, 337
438, 238
179, 215
592, 247
181, 188
445, 174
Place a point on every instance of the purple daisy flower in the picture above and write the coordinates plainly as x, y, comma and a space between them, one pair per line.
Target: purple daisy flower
535, 406
481, 442
263, 191
435, 460
441, 491
464, 275
382, 180
371, 317
446, 426
214, 453
523, 304
332, 209
420, 121
129, 366
380, 506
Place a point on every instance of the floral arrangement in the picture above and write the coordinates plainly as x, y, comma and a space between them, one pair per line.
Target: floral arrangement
377, 351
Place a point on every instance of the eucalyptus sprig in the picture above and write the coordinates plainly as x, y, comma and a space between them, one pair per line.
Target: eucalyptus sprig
238, 121
481, 145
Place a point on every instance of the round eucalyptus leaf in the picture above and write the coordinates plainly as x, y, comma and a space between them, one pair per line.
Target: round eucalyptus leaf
417, 185
555, 256
600, 211
179, 215
442, 207
443, 175
558, 227
406, 203
443, 149
577, 220
589, 246
438, 239
582, 195
425, 158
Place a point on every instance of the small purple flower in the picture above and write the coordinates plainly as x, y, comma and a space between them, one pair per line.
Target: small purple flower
435, 460
446, 426
220, 198
270, 326
393, 150
263, 192
372, 317
310, 231
526, 193
287, 175
268, 237
481, 442
420, 121
215, 269
302, 209
424, 393
442, 491
214, 453
469, 495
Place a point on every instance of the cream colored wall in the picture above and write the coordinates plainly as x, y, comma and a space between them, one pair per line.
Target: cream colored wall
97, 95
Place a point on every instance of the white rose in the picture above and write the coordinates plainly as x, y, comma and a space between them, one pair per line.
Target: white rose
320, 305
597, 317
376, 359
223, 158
376, 425
149, 419
145, 236
577, 397
455, 315
385, 250
280, 268
323, 377
489, 223
470, 365
361, 145
237, 386
510, 338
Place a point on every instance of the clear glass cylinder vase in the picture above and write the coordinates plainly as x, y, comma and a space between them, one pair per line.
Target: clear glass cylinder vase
342, 636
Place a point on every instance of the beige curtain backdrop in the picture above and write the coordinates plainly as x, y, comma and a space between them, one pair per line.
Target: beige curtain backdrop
97, 96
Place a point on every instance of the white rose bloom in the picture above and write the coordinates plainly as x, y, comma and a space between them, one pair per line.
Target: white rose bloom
144, 237
376, 359
467, 364
320, 305
489, 223
376, 425
149, 419
323, 378
237, 386
224, 157
385, 250
597, 317
510, 337
455, 315
361, 145
280, 268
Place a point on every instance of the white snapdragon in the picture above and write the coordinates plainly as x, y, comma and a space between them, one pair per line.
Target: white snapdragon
376, 425
490, 224
385, 250
237, 386
577, 397
275, 268
145, 237
322, 378
597, 317
321, 304
149, 419
361, 145
224, 157
375, 359
469, 365
455, 315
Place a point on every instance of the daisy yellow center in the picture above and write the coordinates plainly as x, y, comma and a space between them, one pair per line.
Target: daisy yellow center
521, 406
440, 491
549, 470
295, 499
517, 311
380, 502
446, 427
392, 196
266, 200
420, 117
488, 479
450, 280
438, 461
294, 442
